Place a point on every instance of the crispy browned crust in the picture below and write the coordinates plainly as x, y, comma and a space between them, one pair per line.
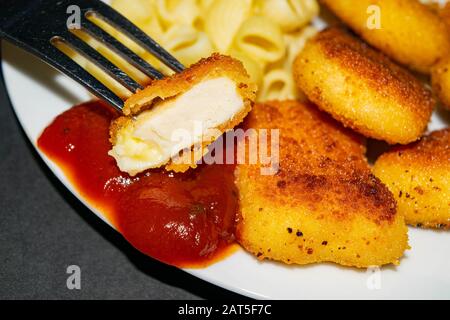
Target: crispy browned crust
444, 13
430, 151
419, 176
170, 87
316, 154
367, 79
324, 179
440, 78
440, 73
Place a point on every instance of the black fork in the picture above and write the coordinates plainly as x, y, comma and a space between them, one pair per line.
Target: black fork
37, 25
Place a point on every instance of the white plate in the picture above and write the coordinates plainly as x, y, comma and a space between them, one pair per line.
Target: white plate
38, 94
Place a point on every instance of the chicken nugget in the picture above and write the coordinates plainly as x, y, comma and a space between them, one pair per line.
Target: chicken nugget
419, 177
323, 205
170, 122
407, 31
362, 88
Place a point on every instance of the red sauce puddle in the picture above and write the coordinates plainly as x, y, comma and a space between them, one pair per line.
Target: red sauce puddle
186, 220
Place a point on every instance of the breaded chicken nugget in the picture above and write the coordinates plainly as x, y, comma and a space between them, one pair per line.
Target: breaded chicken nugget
170, 122
323, 204
409, 32
419, 177
362, 88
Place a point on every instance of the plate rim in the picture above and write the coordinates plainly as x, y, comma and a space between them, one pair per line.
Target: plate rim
66, 182
59, 174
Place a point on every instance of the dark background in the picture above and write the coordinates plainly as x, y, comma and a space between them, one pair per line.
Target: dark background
44, 229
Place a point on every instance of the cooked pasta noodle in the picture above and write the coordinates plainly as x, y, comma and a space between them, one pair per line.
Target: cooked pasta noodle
223, 20
177, 11
254, 68
204, 4
290, 15
278, 85
153, 27
187, 44
295, 42
265, 35
261, 38
137, 11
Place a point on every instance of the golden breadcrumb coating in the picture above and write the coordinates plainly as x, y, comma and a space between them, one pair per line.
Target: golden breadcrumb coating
323, 205
440, 77
419, 177
215, 66
362, 88
170, 87
444, 13
409, 32
440, 74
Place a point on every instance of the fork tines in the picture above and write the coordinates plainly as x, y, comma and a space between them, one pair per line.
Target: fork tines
40, 25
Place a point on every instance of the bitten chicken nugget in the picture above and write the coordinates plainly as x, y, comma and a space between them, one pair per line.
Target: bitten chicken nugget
323, 204
170, 122
419, 177
407, 31
362, 88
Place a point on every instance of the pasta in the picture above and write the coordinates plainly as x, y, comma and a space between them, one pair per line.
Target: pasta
265, 35
290, 15
254, 68
223, 19
261, 38
278, 85
295, 42
187, 44
137, 11
177, 11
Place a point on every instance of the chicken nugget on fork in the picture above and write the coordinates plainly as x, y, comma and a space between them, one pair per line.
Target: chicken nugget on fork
170, 122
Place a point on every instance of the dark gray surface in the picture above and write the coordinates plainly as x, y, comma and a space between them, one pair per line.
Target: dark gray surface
44, 229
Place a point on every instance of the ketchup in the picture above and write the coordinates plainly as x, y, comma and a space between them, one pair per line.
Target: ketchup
182, 219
